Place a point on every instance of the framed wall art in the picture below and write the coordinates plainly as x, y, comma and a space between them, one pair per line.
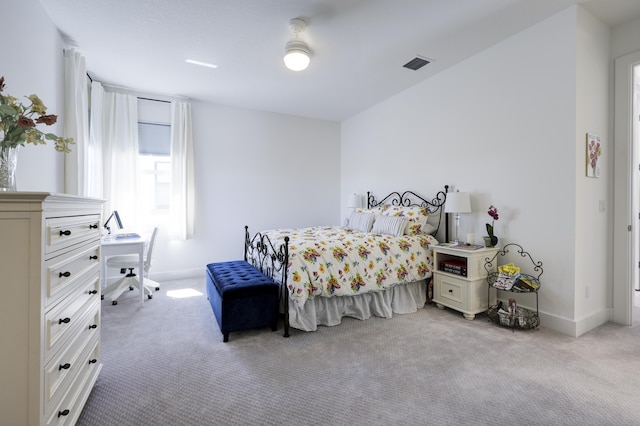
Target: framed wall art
594, 152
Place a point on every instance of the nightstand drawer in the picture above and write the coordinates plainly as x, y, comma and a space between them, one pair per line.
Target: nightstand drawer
451, 291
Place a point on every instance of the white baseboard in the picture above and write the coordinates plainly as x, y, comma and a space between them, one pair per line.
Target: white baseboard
178, 275
575, 328
160, 276
594, 320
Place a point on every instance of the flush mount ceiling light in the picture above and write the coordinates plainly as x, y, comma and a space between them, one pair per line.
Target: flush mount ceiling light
296, 56
202, 64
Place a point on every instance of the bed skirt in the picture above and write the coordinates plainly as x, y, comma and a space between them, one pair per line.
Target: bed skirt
329, 311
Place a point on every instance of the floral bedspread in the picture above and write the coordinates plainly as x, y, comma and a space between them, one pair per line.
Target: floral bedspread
336, 261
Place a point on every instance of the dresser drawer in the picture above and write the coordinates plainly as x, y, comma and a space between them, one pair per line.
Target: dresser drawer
64, 319
70, 270
64, 232
62, 369
67, 411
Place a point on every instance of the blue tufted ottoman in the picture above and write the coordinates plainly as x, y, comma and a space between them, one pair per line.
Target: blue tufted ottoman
241, 297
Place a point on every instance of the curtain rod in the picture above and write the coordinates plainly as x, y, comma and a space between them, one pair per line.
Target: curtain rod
145, 96
155, 100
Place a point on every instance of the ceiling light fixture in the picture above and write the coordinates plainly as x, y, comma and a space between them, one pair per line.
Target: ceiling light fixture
204, 64
296, 56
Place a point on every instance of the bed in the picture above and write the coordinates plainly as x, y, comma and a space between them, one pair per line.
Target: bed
379, 264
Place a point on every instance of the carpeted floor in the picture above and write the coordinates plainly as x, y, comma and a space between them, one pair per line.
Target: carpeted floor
165, 364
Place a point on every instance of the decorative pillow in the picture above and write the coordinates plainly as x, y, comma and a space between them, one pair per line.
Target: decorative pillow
428, 229
361, 221
377, 211
390, 225
416, 216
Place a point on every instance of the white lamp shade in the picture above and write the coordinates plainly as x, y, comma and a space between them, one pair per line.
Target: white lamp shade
355, 201
296, 57
458, 202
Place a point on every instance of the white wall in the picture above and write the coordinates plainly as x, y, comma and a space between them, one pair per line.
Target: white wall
33, 62
258, 169
625, 39
502, 126
593, 228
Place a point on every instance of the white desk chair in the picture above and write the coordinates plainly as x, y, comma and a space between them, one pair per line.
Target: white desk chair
130, 262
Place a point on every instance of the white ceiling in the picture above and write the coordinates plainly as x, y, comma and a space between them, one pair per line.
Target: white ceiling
358, 46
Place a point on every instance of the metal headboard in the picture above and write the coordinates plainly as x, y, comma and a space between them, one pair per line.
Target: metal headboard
410, 199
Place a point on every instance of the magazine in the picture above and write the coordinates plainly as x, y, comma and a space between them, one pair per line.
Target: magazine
463, 246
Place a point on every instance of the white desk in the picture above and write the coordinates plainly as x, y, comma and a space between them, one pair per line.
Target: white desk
111, 246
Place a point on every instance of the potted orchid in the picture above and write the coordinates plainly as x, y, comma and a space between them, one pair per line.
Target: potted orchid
18, 123
491, 240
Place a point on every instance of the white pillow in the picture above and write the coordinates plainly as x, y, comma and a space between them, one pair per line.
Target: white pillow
361, 221
428, 228
390, 225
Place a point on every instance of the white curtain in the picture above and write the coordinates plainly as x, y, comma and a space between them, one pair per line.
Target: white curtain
182, 186
76, 121
120, 155
93, 178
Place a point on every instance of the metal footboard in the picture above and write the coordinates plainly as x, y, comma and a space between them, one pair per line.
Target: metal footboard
273, 262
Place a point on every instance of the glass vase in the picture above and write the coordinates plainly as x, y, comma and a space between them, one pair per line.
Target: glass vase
8, 164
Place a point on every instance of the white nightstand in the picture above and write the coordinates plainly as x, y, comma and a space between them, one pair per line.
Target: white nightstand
460, 279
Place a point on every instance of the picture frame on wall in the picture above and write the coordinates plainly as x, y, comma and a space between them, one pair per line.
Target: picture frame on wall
594, 153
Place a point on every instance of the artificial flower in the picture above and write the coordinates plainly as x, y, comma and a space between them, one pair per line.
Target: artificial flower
18, 123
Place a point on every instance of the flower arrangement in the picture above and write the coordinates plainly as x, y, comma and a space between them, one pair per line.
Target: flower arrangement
18, 123
493, 212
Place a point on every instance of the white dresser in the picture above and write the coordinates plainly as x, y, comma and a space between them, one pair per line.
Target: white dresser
49, 306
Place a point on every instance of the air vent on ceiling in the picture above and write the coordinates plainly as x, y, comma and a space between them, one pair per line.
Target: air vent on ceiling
416, 63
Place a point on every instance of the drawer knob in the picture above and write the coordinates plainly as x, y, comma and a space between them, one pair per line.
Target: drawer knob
94, 226
63, 413
67, 232
64, 274
93, 361
93, 257
93, 326
64, 366
93, 291
450, 291
65, 320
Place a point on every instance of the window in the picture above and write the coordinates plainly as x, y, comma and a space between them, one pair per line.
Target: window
154, 159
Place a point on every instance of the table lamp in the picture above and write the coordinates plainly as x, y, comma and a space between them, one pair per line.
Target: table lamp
457, 202
354, 202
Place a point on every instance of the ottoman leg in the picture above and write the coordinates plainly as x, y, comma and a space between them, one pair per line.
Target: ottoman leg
226, 337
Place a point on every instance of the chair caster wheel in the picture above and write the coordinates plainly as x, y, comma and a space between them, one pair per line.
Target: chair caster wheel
150, 296
115, 302
130, 288
102, 297
157, 288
